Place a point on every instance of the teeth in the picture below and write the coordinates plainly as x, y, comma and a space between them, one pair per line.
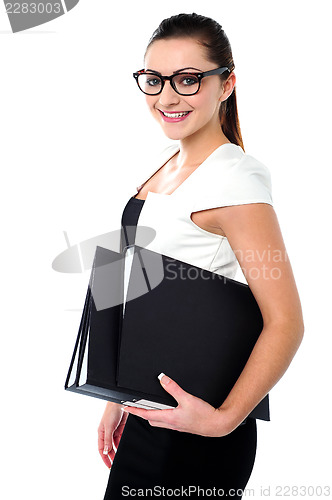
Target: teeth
175, 115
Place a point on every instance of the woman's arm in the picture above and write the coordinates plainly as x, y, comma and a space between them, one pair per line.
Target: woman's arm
254, 234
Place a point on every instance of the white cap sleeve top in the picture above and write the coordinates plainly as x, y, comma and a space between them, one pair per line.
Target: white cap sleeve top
227, 177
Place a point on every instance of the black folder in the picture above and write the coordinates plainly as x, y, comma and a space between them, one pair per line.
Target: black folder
147, 313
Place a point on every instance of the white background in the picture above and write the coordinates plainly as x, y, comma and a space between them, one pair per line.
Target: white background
75, 135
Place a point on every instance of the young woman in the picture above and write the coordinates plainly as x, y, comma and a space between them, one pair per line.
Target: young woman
189, 86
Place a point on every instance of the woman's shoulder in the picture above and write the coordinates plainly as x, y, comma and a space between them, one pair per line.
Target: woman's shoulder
234, 177
251, 172
231, 160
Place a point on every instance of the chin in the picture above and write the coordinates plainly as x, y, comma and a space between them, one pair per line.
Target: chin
177, 136
173, 136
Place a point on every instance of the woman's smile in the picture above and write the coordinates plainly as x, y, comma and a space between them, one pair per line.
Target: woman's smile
174, 116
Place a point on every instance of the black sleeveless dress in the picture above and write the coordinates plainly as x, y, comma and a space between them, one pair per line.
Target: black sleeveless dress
154, 457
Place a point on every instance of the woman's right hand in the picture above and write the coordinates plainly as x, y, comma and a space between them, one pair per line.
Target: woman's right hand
110, 431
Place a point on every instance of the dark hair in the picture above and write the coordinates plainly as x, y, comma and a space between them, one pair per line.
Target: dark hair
209, 34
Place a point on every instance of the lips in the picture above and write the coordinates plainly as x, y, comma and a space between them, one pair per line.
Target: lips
174, 116
173, 112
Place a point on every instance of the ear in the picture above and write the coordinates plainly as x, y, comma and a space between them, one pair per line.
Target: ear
228, 87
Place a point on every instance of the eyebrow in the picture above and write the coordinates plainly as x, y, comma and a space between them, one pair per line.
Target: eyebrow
182, 69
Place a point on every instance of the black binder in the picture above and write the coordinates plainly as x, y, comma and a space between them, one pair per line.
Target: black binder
147, 313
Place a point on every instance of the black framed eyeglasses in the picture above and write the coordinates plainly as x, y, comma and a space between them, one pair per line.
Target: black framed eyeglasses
152, 82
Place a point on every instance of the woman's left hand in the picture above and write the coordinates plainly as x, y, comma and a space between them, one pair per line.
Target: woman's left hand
191, 415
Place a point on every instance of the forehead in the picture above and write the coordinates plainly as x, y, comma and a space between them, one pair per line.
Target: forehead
169, 55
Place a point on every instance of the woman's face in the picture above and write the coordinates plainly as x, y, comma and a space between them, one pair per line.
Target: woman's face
168, 56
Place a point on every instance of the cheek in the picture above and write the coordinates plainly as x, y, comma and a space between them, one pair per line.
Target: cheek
204, 102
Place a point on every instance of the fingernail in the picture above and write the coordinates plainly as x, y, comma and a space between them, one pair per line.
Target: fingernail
105, 452
164, 378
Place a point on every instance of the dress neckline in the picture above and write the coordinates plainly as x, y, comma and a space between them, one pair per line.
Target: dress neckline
175, 148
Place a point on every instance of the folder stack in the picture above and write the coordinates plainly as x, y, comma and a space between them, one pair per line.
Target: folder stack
147, 313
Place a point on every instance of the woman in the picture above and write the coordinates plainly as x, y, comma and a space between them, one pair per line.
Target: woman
196, 445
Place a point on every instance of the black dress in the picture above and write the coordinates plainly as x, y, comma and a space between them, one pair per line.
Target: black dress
154, 457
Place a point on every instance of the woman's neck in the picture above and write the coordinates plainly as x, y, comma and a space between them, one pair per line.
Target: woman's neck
194, 151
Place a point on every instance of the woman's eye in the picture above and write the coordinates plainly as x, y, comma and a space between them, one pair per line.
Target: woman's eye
153, 81
188, 80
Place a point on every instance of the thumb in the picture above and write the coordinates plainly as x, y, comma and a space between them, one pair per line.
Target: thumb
172, 387
108, 440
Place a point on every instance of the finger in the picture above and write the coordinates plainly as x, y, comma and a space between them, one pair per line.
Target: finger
106, 458
117, 435
100, 439
139, 412
173, 388
147, 414
105, 444
159, 418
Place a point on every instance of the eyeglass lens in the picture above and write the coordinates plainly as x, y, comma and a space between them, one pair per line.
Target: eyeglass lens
185, 83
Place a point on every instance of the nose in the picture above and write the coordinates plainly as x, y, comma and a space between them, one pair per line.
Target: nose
168, 95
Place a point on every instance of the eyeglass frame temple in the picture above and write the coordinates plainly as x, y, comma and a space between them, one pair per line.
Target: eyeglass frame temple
217, 71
